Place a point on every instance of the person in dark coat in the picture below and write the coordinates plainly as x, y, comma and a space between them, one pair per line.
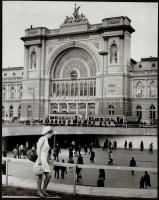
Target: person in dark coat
63, 170
102, 173
70, 152
85, 149
115, 144
78, 170
57, 169
100, 182
142, 183
79, 149
125, 144
151, 148
105, 144
147, 180
92, 156
132, 164
141, 146
90, 147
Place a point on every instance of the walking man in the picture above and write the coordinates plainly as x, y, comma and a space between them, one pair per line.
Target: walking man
151, 148
132, 164
92, 156
147, 180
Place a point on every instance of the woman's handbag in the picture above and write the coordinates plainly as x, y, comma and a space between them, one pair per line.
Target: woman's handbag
32, 155
38, 170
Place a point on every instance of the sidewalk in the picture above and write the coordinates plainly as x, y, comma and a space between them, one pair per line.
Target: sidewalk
84, 190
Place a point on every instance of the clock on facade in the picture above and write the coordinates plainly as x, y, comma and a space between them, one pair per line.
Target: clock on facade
73, 74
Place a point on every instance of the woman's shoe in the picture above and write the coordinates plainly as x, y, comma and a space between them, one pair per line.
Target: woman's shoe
40, 194
46, 194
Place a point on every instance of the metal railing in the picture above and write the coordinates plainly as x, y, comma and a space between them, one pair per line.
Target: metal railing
82, 166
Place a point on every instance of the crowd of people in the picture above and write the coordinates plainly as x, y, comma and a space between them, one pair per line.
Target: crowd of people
75, 149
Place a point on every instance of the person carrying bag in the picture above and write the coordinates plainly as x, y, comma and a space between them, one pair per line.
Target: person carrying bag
41, 166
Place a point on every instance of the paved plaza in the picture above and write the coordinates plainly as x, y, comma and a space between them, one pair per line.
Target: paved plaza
114, 178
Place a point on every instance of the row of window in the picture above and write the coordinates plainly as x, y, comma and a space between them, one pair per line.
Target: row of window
13, 94
74, 88
152, 112
14, 74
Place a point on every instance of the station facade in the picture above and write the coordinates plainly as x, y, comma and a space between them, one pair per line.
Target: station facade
81, 68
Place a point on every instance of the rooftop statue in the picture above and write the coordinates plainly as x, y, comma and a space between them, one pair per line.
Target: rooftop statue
76, 16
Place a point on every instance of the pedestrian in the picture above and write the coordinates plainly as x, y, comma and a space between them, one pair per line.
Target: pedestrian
92, 156
105, 144
4, 153
76, 149
17, 146
125, 144
102, 173
58, 150
21, 151
142, 183
57, 169
42, 161
147, 180
55, 153
85, 149
150, 148
110, 161
90, 147
110, 145
141, 146
15, 152
132, 164
63, 170
78, 170
3, 167
25, 151
100, 181
70, 152
115, 144
79, 149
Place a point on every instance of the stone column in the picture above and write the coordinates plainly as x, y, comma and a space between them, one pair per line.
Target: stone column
26, 61
77, 108
58, 107
86, 109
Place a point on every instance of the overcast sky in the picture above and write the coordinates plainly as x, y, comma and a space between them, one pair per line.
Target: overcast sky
19, 15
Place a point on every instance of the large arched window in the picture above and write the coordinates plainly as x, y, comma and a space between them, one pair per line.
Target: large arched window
19, 111
139, 111
111, 110
4, 92
113, 53
3, 111
33, 60
12, 93
152, 112
29, 111
11, 111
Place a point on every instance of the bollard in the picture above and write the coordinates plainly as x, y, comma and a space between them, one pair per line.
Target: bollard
74, 181
7, 172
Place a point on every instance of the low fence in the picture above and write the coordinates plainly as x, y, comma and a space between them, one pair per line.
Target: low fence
82, 166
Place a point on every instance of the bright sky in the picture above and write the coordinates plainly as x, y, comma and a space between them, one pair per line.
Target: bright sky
19, 15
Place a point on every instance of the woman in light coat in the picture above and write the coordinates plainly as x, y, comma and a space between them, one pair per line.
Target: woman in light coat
42, 160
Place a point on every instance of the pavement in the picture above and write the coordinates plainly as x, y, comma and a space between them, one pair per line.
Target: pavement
117, 184
83, 190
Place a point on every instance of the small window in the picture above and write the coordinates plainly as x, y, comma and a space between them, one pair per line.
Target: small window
14, 74
5, 74
140, 66
22, 73
153, 65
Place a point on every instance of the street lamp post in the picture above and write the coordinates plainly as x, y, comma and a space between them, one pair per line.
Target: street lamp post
102, 53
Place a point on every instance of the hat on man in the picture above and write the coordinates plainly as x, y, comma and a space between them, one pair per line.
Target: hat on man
46, 129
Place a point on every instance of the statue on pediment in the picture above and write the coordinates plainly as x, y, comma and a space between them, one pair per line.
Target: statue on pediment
76, 14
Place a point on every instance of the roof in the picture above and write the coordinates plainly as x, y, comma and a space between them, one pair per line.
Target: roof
12, 68
149, 59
